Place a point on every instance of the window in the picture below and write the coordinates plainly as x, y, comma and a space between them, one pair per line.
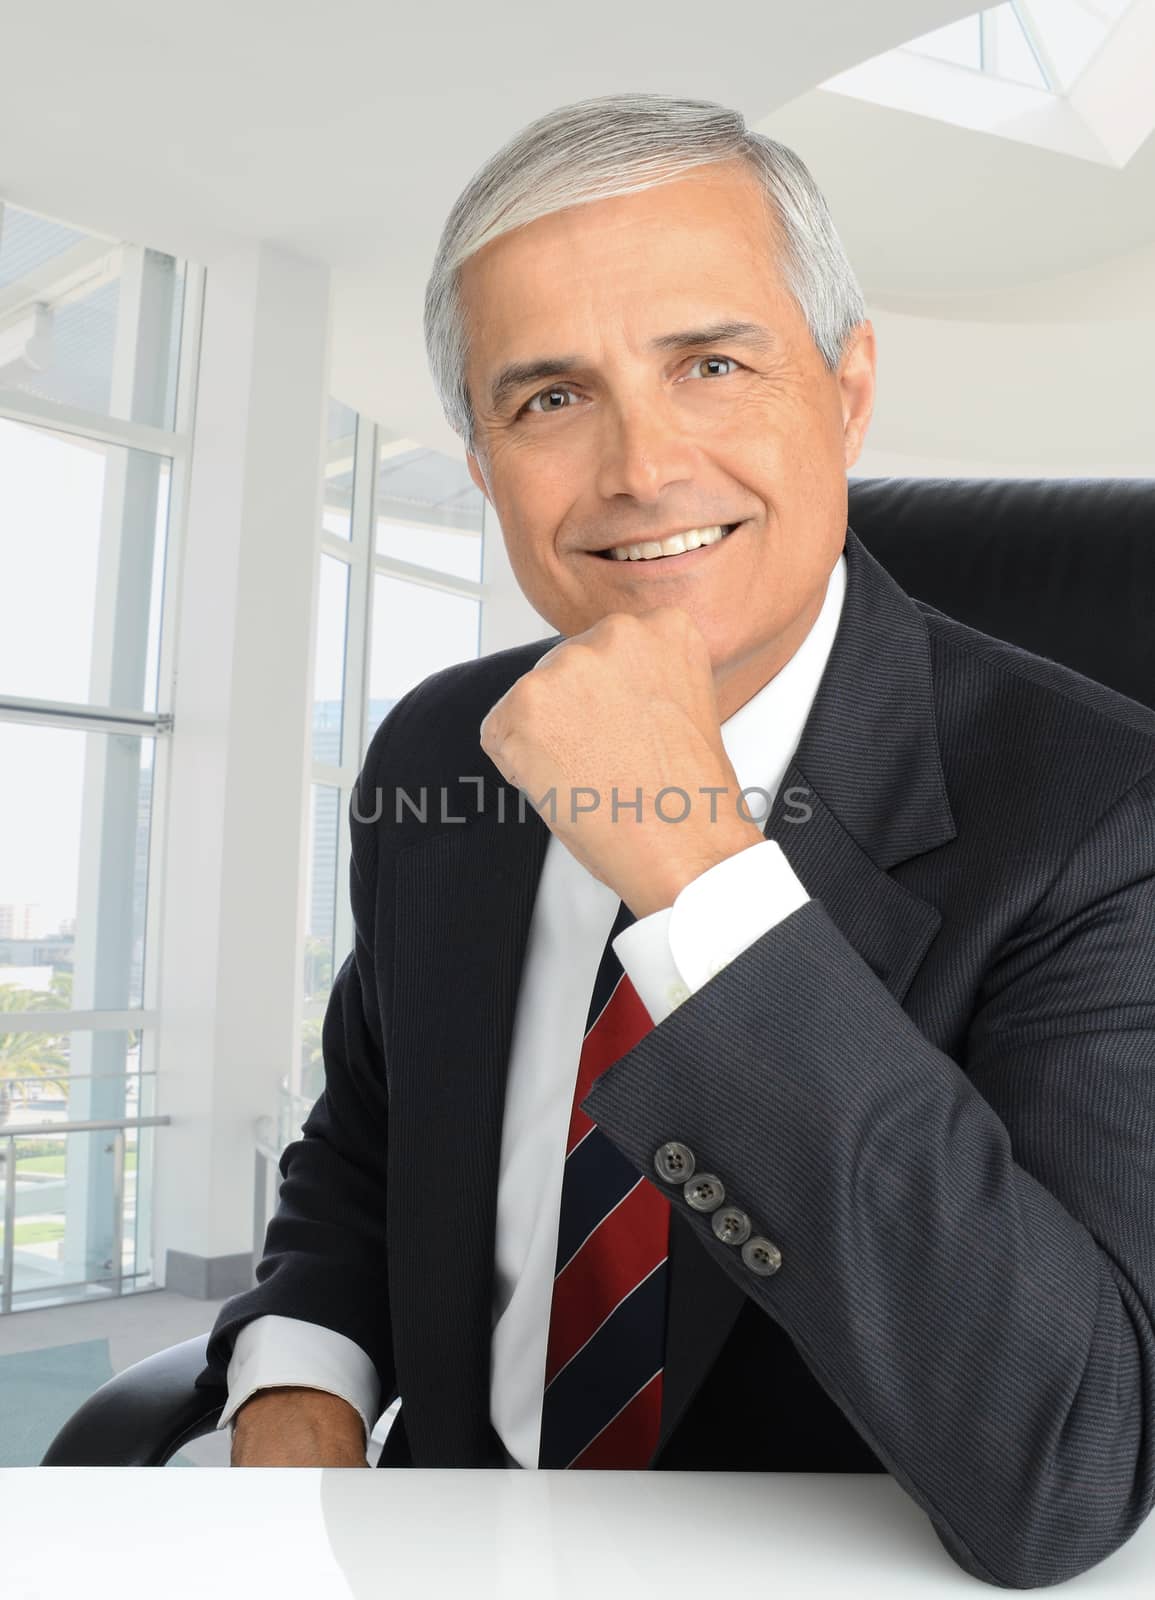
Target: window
398, 597
94, 403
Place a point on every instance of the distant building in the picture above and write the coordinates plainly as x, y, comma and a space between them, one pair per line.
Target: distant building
54, 952
323, 882
19, 922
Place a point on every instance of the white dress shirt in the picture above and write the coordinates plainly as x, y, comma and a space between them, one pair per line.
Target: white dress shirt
667, 955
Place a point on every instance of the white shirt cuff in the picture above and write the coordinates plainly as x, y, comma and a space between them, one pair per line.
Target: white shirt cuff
271, 1351
671, 953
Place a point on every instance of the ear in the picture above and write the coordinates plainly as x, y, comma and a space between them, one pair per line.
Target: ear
477, 473
856, 380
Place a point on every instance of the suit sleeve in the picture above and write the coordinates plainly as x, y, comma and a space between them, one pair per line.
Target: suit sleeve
967, 1250
324, 1258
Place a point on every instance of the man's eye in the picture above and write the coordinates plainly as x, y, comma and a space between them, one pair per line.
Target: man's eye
703, 360
546, 394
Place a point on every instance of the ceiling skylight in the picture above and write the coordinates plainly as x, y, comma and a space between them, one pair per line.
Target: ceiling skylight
1043, 43
1068, 75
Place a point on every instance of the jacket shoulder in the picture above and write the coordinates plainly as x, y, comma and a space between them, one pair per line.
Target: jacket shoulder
1018, 725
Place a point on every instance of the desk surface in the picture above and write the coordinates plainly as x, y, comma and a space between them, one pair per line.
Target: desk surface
287, 1535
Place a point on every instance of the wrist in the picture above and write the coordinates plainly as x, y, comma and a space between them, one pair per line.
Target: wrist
315, 1408
669, 877
298, 1427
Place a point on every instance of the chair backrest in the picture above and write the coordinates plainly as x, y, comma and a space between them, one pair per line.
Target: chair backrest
1063, 567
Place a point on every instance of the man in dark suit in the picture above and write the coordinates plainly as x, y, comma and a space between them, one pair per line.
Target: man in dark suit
890, 1127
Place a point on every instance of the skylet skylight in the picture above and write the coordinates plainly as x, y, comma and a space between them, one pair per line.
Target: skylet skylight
1043, 43
1069, 75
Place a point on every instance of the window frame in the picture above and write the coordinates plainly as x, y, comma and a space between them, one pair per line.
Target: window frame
173, 445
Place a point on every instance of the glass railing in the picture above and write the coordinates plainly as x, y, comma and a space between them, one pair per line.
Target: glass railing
74, 1205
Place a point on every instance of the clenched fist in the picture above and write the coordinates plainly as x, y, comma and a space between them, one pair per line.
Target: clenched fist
614, 736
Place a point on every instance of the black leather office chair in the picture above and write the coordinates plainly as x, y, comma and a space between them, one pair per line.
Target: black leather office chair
143, 1416
1064, 568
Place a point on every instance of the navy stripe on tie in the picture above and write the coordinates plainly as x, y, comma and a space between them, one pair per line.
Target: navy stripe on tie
605, 1374
597, 1178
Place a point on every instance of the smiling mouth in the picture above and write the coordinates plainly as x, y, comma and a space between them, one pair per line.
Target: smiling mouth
677, 544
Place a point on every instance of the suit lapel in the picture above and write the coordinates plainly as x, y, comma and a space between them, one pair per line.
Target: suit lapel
864, 792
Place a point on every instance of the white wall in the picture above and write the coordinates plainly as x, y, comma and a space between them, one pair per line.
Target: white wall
1049, 380
229, 940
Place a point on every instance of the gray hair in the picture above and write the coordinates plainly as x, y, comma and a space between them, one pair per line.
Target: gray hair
618, 144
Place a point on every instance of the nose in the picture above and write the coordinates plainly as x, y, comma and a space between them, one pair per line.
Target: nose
643, 450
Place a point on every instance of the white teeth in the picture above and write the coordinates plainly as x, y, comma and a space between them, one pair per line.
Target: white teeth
677, 544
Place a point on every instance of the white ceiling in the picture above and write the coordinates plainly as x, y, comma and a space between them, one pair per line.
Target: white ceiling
345, 131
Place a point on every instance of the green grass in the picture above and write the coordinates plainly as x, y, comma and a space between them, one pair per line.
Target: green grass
40, 1165
53, 1166
38, 1232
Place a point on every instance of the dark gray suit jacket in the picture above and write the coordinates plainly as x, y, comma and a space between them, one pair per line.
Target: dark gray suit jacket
932, 1087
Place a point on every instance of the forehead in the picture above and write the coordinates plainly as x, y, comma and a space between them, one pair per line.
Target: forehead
704, 241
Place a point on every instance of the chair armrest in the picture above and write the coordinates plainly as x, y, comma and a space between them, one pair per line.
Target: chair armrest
142, 1416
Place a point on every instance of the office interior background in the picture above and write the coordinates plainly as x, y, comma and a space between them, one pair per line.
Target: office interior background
235, 527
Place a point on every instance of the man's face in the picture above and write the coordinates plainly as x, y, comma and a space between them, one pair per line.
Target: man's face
625, 434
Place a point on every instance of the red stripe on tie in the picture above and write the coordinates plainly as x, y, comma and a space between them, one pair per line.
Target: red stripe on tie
624, 1021
623, 1249
628, 1244
631, 1436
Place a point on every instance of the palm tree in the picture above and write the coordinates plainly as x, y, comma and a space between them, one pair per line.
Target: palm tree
25, 1054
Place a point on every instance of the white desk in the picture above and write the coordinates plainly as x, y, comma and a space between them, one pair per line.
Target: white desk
264, 1534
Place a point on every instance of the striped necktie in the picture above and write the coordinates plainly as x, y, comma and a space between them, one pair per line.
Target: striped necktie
606, 1350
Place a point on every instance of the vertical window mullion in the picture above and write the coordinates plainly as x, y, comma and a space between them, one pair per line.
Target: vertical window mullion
356, 665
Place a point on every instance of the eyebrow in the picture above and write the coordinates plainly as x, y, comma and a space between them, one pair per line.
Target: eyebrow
517, 374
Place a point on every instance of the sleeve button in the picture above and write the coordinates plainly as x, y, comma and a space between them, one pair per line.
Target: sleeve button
674, 1162
731, 1225
705, 1192
761, 1256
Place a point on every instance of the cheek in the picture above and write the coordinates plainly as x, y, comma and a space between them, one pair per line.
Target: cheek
532, 538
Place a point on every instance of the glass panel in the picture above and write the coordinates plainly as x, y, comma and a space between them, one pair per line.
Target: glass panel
321, 910
340, 443
81, 560
329, 662
88, 322
1012, 57
75, 1199
959, 42
74, 832
75, 1193
427, 508
416, 631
